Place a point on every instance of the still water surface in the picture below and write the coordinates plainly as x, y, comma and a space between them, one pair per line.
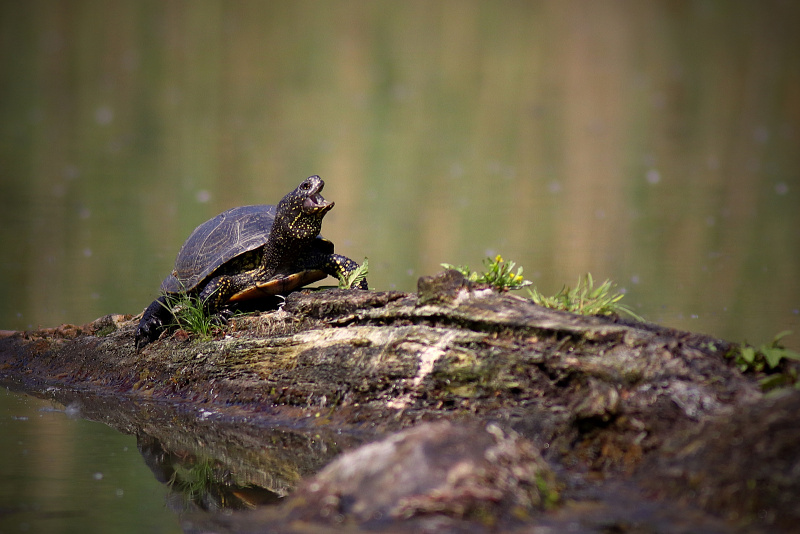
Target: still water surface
61, 473
652, 143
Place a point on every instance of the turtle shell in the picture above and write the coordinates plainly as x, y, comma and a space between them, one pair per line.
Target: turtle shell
225, 237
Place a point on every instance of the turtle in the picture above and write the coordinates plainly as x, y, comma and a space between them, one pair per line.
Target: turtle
251, 252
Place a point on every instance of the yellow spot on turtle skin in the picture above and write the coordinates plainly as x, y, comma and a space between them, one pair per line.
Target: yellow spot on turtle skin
296, 218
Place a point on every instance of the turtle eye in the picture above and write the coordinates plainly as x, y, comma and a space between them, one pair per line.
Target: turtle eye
305, 186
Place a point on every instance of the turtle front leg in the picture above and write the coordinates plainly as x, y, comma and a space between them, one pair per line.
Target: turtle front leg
154, 320
338, 266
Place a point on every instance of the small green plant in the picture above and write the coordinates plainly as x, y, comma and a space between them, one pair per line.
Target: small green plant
767, 356
498, 274
192, 315
586, 299
548, 491
353, 278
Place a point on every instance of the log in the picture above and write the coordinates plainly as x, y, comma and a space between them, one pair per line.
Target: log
603, 399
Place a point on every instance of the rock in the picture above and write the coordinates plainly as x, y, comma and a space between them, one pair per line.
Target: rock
462, 471
444, 287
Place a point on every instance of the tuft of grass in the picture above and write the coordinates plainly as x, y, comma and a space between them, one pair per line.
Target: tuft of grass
353, 278
498, 274
586, 299
191, 314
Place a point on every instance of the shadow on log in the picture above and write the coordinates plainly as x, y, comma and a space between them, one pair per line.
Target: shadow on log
635, 409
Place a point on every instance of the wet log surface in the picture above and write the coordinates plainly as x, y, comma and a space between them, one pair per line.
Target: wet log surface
578, 422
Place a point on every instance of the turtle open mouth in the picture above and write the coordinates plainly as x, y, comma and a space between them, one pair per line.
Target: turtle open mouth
315, 202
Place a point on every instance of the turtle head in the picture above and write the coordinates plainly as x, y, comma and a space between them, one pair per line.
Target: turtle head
302, 210
306, 199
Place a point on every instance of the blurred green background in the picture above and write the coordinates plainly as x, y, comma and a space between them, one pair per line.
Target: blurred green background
653, 143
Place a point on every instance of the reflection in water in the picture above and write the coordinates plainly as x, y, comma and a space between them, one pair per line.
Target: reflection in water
200, 463
60, 473
199, 482
222, 474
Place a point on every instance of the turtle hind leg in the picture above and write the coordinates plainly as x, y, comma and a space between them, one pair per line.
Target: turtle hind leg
338, 266
219, 289
154, 321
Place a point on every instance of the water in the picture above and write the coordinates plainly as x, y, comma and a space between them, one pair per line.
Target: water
61, 473
652, 143
65, 466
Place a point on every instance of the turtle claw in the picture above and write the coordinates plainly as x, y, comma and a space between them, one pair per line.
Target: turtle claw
222, 317
147, 333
